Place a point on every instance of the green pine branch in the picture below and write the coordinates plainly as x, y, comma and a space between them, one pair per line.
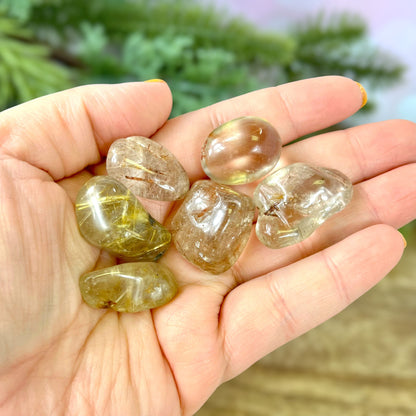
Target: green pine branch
22, 9
207, 26
26, 71
344, 27
339, 45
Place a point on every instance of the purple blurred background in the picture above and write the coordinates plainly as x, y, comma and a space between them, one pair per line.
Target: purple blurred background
392, 27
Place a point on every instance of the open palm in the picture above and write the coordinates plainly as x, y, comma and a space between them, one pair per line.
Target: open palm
58, 356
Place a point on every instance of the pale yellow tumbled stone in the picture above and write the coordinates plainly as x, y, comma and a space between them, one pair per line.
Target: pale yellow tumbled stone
295, 200
129, 287
241, 151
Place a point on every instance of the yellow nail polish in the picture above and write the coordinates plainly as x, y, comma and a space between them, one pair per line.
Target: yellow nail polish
404, 240
155, 80
363, 95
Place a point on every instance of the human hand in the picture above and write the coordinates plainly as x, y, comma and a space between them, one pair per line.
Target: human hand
58, 356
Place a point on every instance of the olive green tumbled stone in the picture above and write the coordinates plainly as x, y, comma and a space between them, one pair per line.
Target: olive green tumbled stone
111, 217
129, 287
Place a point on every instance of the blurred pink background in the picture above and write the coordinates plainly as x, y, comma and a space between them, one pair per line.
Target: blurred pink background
392, 26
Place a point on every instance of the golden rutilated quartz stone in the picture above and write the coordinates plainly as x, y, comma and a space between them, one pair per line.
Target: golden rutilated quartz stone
212, 226
129, 287
111, 217
147, 168
295, 200
241, 151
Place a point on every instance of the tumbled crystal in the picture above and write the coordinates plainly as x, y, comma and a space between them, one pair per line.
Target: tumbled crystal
297, 199
241, 151
110, 217
147, 168
129, 287
212, 226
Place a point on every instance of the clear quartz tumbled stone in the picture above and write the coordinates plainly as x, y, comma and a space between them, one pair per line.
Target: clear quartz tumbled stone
110, 217
147, 168
241, 151
297, 199
212, 226
129, 287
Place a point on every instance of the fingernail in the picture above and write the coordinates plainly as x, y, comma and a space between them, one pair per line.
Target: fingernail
363, 95
155, 80
404, 240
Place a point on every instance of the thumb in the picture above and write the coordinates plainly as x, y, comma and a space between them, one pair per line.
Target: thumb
64, 132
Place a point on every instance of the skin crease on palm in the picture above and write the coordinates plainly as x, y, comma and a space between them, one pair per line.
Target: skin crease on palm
60, 357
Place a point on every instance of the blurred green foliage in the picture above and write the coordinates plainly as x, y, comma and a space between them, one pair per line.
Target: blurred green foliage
25, 68
204, 55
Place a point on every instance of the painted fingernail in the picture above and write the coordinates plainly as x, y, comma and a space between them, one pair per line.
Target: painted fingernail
363, 95
404, 240
155, 80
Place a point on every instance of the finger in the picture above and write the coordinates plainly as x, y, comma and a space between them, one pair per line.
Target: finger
389, 198
63, 133
294, 109
263, 314
360, 152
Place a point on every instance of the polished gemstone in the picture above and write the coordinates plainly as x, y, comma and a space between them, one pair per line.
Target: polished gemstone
212, 226
110, 217
147, 168
129, 287
297, 199
241, 151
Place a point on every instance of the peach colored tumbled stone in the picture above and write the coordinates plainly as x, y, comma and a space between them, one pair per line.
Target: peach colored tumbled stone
212, 226
147, 168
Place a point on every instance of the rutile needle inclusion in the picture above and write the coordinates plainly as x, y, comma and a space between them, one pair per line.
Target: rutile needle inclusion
147, 168
212, 226
110, 217
241, 151
129, 287
295, 200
